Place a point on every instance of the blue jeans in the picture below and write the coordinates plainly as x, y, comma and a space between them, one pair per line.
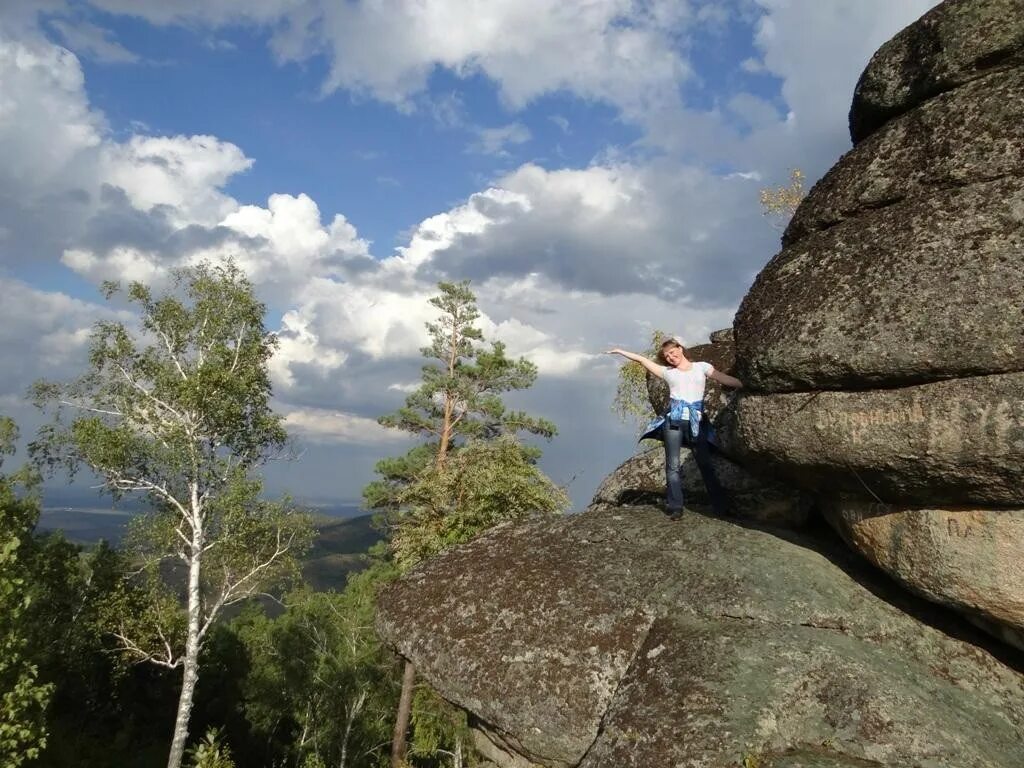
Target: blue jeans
675, 436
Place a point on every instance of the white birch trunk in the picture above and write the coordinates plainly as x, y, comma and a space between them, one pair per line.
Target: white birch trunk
353, 713
192, 642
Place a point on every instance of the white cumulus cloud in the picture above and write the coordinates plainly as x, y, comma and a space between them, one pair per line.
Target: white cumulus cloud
319, 425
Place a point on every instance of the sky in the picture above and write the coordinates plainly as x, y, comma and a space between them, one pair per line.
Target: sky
592, 166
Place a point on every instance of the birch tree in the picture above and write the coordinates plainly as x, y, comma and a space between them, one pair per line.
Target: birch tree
631, 402
178, 411
458, 403
319, 672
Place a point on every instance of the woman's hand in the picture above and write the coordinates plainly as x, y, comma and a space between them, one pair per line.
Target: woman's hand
650, 365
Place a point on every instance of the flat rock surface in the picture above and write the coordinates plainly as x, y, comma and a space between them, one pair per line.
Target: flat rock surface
954, 43
950, 443
702, 691
972, 134
618, 638
876, 300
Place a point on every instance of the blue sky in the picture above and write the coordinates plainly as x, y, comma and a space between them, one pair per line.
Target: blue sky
347, 151
592, 167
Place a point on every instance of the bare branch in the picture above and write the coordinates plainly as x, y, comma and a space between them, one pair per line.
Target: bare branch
165, 641
118, 481
238, 346
200, 353
170, 349
91, 410
143, 656
181, 535
233, 592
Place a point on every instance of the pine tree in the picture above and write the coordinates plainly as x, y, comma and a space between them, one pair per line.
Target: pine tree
471, 472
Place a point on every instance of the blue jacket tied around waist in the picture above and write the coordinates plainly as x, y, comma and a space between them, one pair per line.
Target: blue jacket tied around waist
678, 410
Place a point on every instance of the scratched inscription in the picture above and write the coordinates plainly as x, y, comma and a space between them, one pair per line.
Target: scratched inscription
855, 423
960, 529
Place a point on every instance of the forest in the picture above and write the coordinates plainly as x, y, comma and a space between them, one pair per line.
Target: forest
211, 634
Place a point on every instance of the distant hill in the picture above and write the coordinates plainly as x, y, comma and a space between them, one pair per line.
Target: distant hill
338, 549
86, 526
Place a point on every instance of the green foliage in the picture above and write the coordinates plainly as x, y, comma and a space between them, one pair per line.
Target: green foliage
460, 393
438, 727
96, 714
470, 474
395, 474
631, 403
188, 398
180, 412
459, 399
320, 684
23, 697
211, 752
146, 617
481, 485
8, 437
101, 712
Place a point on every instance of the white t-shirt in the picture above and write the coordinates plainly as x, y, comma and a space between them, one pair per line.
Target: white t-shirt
688, 385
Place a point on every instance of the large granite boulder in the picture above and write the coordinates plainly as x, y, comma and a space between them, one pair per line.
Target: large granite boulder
949, 443
916, 237
617, 638
963, 137
954, 43
640, 480
877, 300
968, 559
884, 345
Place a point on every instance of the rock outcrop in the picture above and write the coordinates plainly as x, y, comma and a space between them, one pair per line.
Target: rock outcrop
617, 638
968, 559
872, 287
885, 343
877, 300
640, 480
952, 44
885, 349
962, 137
957, 442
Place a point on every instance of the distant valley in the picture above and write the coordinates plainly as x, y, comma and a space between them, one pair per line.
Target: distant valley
345, 533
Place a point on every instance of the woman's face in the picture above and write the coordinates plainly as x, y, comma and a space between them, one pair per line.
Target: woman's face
673, 355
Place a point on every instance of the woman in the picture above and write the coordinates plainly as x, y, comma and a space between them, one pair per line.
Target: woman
684, 423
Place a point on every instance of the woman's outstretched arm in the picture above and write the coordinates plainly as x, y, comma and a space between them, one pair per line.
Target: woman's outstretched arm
647, 363
726, 379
